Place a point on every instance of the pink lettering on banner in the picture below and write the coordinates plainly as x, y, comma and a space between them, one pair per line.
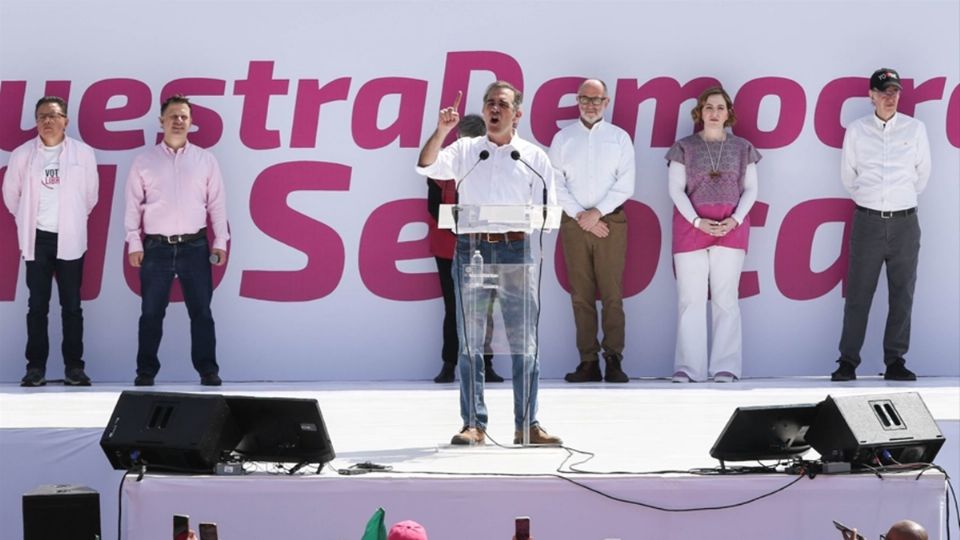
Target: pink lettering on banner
257, 89
132, 275
750, 279
669, 95
306, 113
461, 65
826, 115
208, 123
9, 252
953, 118
545, 110
95, 113
380, 249
792, 111
643, 250
793, 254
322, 245
13, 103
98, 225
406, 128
914, 95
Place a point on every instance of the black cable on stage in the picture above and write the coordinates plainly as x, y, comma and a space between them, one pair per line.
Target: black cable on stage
120, 505
607, 495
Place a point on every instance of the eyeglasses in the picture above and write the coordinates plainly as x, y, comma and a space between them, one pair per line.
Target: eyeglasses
43, 117
588, 100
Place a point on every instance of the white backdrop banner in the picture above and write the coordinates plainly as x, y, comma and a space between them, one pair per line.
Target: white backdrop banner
317, 109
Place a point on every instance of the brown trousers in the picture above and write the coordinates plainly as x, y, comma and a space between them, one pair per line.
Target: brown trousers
596, 264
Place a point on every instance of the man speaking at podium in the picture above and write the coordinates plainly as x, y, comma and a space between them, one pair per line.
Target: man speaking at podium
499, 169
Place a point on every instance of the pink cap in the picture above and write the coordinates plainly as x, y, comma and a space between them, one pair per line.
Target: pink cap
407, 530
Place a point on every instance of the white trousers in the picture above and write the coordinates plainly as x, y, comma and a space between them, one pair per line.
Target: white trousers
715, 270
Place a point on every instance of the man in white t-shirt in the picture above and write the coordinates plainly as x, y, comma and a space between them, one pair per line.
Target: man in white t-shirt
51, 186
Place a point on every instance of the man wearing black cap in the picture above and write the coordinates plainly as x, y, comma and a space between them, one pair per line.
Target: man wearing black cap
885, 164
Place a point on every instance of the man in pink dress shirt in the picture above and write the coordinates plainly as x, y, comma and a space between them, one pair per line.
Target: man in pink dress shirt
50, 187
171, 190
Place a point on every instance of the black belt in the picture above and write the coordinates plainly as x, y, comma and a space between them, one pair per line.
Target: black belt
496, 238
177, 238
888, 214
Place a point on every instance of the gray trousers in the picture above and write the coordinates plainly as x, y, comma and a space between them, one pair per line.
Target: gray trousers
875, 241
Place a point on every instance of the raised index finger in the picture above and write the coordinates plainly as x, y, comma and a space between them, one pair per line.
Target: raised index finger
456, 103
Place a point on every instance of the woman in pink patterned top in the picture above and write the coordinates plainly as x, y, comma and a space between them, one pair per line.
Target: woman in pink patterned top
713, 185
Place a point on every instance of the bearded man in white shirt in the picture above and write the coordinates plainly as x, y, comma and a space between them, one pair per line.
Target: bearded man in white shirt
885, 165
597, 162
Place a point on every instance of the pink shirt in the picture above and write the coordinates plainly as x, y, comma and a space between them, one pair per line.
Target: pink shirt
79, 189
713, 197
170, 192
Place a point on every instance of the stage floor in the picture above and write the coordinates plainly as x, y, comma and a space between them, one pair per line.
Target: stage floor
640, 427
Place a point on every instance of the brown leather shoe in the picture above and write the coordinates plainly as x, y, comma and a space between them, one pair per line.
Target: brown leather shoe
469, 436
538, 436
586, 372
614, 373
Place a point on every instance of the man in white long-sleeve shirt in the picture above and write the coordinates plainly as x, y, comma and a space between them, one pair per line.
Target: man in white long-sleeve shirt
502, 169
597, 162
885, 165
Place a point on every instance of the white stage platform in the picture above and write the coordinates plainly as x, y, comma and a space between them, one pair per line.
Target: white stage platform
51, 435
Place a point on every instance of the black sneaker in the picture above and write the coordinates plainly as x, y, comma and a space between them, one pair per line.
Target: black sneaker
446, 374
34, 377
210, 379
586, 372
75, 377
143, 380
899, 372
844, 372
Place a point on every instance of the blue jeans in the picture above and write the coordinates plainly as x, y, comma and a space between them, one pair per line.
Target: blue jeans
189, 262
473, 410
40, 275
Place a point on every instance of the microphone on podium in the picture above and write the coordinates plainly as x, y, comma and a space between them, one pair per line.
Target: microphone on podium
516, 157
484, 154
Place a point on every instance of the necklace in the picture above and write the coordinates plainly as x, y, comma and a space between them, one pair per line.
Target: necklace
714, 166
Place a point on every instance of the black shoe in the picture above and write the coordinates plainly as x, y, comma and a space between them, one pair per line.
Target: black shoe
614, 373
586, 372
34, 377
899, 372
75, 377
143, 380
210, 379
446, 373
489, 375
845, 372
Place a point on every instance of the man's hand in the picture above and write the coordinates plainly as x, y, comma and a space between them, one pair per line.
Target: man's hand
588, 219
135, 258
600, 230
221, 255
449, 117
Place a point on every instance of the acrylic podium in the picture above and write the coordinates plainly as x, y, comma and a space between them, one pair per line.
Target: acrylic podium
498, 281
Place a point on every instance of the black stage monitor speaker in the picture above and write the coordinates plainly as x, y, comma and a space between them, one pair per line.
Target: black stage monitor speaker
282, 430
880, 429
765, 432
61, 512
168, 431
